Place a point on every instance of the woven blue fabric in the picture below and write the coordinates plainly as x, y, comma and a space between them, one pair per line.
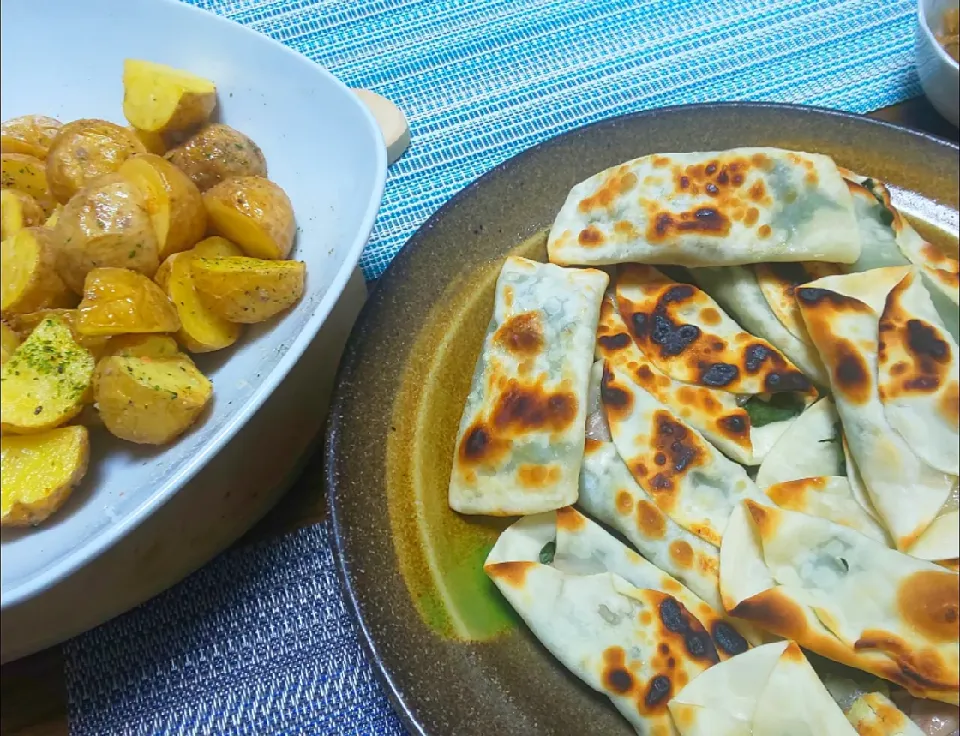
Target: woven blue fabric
481, 80
259, 641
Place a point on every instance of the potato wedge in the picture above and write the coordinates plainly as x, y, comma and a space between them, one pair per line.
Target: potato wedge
150, 401
85, 150
144, 346
39, 472
46, 381
30, 279
158, 98
9, 340
248, 290
26, 323
17, 211
118, 301
27, 174
173, 201
212, 247
155, 143
106, 224
29, 134
201, 330
254, 213
215, 153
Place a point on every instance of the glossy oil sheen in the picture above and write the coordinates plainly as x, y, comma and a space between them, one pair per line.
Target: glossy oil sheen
453, 657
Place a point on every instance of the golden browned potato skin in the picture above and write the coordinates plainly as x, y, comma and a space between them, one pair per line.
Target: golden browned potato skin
85, 150
117, 301
29, 134
27, 174
253, 212
215, 153
30, 279
105, 224
19, 210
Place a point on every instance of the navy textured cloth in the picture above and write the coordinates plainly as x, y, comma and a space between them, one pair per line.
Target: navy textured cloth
259, 641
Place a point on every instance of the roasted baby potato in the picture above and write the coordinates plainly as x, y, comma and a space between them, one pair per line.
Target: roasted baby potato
29, 134
154, 142
160, 99
85, 150
46, 381
212, 247
105, 224
27, 174
215, 153
150, 401
17, 211
39, 472
9, 340
248, 290
24, 324
144, 346
118, 301
254, 213
201, 330
30, 280
176, 208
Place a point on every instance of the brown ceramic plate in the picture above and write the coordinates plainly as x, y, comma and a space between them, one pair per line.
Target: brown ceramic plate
453, 657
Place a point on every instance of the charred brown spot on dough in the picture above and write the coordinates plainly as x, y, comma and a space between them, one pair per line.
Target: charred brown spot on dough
680, 448
682, 553
677, 619
727, 639
929, 601
816, 297
753, 214
924, 342
616, 677
650, 520
659, 691
718, 375
521, 334
923, 669
513, 573
773, 612
616, 185
735, 425
764, 231
659, 327
530, 408
626, 229
611, 343
850, 372
538, 476
710, 316
617, 401
757, 191
704, 220
591, 237
479, 446
787, 380
624, 502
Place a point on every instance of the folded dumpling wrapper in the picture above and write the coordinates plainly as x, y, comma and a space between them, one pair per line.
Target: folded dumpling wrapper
687, 477
829, 497
888, 239
737, 289
844, 596
811, 446
769, 691
688, 336
746, 205
619, 623
520, 441
874, 714
611, 495
894, 372
713, 412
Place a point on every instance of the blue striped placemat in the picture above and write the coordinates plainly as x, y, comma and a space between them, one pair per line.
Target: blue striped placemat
259, 641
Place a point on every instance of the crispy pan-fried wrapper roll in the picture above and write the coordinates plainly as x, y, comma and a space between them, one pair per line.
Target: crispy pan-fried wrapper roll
610, 494
521, 436
769, 690
688, 478
616, 621
893, 369
687, 335
844, 596
746, 205
874, 714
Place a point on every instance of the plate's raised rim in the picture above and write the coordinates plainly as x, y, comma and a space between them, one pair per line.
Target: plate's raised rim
115, 532
358, 334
